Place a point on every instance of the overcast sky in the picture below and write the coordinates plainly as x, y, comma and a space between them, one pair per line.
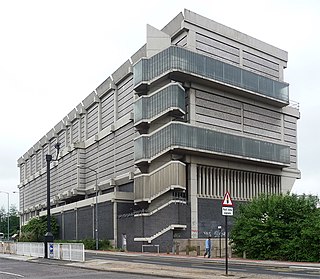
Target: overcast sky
54, 53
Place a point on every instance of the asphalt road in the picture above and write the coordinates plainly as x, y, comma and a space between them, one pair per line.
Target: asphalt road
12, 269
275, 271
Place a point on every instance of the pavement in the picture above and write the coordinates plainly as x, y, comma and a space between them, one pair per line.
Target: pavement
167, 271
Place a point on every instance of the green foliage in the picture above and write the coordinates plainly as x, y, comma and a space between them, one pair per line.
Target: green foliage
36, 228
278, 227
90, 244
14, 221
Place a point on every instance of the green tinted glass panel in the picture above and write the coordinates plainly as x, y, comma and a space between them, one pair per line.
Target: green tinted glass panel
176, 58
150, 106
179, 135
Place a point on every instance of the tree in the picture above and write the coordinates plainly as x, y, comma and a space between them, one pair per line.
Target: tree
278, 227
36, 228
14, 221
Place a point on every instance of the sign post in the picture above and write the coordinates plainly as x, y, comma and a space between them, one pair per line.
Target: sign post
227, 210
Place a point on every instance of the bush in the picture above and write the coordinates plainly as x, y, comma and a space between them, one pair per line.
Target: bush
36, 228
278, 227
90, 244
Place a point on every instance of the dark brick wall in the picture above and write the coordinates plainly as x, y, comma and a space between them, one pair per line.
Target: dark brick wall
126, 225
105, 213
59, 221
85, 222
69, 225
210, 217
146, 226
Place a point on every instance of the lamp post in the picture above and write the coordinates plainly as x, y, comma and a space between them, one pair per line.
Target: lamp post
48, 237
8, 213
96, 204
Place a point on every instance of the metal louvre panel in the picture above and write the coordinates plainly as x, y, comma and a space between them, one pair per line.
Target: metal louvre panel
149, 186
242, 185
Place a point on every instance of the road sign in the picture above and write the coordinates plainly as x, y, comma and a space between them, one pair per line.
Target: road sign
51, 250
227, 201
227, 211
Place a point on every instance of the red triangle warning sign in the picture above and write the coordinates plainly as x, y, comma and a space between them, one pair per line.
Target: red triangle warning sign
227, 201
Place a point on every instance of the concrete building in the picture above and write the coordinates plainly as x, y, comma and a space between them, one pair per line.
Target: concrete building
199, 110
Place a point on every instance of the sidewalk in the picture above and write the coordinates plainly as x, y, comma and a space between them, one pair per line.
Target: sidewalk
168, 271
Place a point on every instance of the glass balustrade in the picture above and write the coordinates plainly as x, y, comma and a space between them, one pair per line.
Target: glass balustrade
184, 136
180, 59
150, 106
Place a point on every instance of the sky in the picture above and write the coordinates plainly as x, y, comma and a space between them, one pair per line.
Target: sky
55, 53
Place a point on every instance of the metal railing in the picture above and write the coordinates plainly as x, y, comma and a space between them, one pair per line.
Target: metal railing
66, 251
58, 251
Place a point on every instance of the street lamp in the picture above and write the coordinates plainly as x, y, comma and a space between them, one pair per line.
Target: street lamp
96, 204
49, 236
16, 192
8, 194
8, 213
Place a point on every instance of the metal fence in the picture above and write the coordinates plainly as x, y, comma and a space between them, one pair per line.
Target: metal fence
59, 251
31, 249
66, 251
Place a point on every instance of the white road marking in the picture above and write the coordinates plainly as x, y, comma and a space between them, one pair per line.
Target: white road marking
151, 262
105, 258
304, 267
12, 274
299, 274
218, 268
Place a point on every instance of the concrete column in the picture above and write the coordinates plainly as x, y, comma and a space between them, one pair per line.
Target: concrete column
193, 200
115, 108
115, 224
76, 217
25, 171
282, 127
99, 116
62, 225
192, 106
85, 127
241, 57
35, 162
281, 67
41, 158
191, 40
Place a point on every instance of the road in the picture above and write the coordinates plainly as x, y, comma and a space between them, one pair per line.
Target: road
274, 271
12, 269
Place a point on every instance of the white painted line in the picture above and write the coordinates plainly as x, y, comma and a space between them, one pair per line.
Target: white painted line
218, 268
304, 267
12, 274
106, 258
299, 274
151, 262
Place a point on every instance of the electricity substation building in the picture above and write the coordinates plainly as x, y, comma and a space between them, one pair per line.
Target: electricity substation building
199, 110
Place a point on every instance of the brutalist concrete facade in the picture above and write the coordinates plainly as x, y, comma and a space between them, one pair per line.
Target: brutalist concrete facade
199, 110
